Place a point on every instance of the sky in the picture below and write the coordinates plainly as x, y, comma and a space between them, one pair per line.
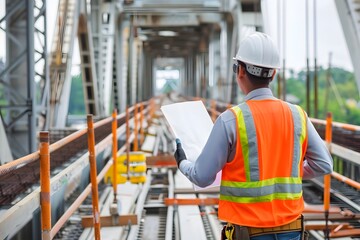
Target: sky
330, 37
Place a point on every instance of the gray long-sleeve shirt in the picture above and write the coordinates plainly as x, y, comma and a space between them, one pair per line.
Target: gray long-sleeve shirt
221, 146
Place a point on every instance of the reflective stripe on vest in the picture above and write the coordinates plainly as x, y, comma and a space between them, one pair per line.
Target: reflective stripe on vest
248, 142
254, 189
299, 137
261, 191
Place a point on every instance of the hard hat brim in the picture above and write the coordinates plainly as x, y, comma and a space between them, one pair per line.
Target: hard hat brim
256, 64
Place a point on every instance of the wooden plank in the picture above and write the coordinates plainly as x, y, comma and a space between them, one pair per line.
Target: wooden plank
161, 161
214, 190
345, 233
311, 208
192, 201
322, 226
108, 221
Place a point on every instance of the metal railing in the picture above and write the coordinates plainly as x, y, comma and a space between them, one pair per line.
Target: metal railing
101, 135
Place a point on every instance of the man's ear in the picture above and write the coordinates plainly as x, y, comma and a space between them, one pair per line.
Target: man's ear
241, 71
272, 78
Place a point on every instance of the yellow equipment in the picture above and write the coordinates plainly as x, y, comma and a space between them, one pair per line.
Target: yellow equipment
137, 169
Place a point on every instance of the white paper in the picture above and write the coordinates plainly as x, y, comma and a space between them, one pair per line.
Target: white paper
191, 123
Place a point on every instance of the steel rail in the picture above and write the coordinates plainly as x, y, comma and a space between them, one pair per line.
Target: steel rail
140, 205
170, 212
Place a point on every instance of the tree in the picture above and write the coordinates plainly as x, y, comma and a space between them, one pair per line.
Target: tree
344, 84
76, 102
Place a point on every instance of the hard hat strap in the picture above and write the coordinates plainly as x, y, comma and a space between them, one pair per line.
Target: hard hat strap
259, 72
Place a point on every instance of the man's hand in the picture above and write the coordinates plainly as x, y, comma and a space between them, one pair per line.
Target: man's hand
179, 153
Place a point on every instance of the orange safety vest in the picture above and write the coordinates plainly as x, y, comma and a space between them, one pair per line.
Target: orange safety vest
262, 186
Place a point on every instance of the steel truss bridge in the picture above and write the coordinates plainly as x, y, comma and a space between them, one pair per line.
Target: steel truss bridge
122, 45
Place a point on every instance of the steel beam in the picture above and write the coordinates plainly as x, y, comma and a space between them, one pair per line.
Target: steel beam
121, 64
103, 27
30, 20
131, 67
214, 62
5, 153
140, 205
25, 75
61, 61
178, 6
88, 73
349, 18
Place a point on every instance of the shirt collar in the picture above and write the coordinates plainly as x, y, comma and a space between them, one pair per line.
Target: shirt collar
259, 93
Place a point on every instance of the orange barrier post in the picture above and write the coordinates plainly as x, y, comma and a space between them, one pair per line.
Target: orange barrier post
136, 128
127, 141
328, 133
327, 178
93, 175
141, 123
45, 186
114, 151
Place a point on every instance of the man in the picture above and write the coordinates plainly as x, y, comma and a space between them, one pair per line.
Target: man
264, 147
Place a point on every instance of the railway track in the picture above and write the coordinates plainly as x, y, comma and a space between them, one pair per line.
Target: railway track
158, 221
342, 196
15, 183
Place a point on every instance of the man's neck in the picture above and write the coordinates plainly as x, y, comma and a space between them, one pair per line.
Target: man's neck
253, 87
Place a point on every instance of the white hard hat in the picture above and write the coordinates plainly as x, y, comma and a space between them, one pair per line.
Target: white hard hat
258, 49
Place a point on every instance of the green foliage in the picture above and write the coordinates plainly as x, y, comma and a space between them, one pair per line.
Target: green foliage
296, 88
345, 85
352, 115
76, 102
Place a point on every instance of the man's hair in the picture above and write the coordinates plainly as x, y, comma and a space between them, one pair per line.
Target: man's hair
254, 79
